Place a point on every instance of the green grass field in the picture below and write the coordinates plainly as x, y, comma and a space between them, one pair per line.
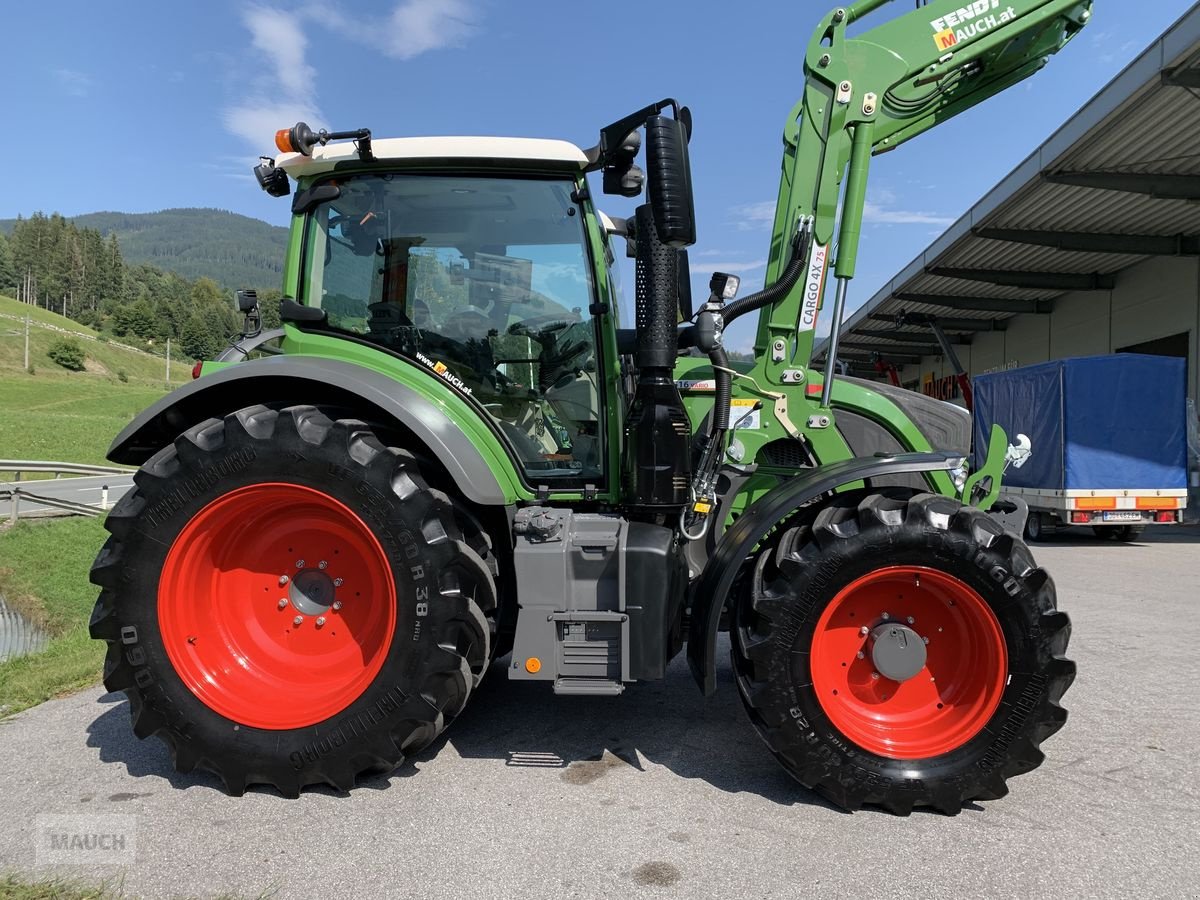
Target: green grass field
44, 575
66, 416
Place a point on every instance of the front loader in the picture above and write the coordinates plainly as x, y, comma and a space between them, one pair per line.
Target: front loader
453, 453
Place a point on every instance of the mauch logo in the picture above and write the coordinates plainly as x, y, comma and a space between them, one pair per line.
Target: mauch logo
443, 371
85, 840
968, 22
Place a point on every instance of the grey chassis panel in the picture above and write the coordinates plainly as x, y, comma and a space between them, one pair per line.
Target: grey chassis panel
303, 378
712, 588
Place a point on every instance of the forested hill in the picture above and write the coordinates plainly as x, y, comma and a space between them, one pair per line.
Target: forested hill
233, 250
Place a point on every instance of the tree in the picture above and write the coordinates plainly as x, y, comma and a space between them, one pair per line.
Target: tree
8, 273
135, 318
67, 353
197, 340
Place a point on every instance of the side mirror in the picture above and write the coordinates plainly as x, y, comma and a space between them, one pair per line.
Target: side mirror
684, 278
670, 179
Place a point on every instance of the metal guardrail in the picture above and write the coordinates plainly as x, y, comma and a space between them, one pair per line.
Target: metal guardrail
15, 492
32, 465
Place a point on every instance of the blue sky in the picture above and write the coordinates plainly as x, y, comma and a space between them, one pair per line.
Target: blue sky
138, 106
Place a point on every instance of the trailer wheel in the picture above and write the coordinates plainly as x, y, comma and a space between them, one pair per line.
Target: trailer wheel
1104, 532
1129, 533
1035, 527
901, 650
287, 602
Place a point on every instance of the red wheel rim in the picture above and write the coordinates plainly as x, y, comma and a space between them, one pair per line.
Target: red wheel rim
945, 704
236, 580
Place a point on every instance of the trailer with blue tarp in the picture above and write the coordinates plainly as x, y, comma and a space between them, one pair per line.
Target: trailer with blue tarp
1108, 437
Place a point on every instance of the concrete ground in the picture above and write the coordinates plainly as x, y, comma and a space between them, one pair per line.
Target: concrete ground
661, 794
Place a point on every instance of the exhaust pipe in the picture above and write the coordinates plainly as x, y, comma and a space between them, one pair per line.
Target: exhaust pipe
657, 459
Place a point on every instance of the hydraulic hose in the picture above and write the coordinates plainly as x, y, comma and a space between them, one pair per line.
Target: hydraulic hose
777, 291
724, 393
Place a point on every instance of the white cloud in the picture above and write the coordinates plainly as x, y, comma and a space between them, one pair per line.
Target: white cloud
734, 267
282, 41
413, 27
875, 214
289, 96
761, 216
754, 216
73, 83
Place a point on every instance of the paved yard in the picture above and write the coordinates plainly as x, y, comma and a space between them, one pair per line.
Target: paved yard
660, 794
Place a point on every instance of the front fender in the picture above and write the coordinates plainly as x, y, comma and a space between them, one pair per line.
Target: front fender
712, 589
310, 379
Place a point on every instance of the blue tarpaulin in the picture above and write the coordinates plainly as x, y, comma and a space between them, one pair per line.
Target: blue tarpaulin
1096, 422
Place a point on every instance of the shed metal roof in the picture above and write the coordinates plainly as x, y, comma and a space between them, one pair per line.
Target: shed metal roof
1115, 185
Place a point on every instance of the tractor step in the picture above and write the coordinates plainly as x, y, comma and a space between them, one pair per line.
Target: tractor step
593, 687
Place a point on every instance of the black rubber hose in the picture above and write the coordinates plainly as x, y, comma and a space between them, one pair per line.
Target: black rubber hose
773, 293
724, 385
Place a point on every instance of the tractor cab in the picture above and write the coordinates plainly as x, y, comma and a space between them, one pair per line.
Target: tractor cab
485, 281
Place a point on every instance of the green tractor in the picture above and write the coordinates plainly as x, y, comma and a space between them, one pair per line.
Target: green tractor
452, 453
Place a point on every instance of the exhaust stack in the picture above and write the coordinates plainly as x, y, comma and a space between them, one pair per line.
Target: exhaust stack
657, 459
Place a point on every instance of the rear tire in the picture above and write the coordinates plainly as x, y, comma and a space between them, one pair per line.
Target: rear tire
1129, 533
198, 614
995, 648
1035, 528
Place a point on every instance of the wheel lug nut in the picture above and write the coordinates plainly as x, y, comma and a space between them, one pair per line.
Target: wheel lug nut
323, 564
337, 604
925, 639
299, 564
283, 579
874, 676
320, 621
886, 615
910, 620
861, 655
337, 582
283, 602
864, 630
299, 620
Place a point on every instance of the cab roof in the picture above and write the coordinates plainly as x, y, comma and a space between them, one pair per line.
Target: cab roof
499, 151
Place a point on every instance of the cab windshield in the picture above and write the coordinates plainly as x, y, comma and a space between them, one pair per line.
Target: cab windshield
484, 282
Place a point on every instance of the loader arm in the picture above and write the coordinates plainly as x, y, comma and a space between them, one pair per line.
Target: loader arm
865, 95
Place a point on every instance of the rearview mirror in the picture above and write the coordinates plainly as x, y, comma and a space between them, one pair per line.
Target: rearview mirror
670, 180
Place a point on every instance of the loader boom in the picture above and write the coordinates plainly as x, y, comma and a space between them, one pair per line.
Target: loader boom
867, 94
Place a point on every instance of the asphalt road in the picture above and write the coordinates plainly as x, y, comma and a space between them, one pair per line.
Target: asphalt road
86, 489
660, 794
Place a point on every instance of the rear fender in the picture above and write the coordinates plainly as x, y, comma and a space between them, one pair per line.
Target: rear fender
711, 591
286, 381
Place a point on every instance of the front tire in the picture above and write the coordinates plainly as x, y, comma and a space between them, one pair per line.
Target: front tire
971, 705
287, 602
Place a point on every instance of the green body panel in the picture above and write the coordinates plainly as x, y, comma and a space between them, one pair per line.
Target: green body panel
454, 407
826, 444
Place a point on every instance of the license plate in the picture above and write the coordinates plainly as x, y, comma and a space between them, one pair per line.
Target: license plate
1122, 517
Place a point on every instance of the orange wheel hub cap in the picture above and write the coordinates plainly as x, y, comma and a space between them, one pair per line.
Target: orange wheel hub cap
947, 701
277, 606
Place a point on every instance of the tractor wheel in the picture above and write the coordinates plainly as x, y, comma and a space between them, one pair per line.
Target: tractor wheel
287, 602
902, 650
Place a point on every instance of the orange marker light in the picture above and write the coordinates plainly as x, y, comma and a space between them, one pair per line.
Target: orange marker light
283, 140
533, 665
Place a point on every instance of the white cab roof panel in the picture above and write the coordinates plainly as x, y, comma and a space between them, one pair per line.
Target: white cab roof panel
532, 150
